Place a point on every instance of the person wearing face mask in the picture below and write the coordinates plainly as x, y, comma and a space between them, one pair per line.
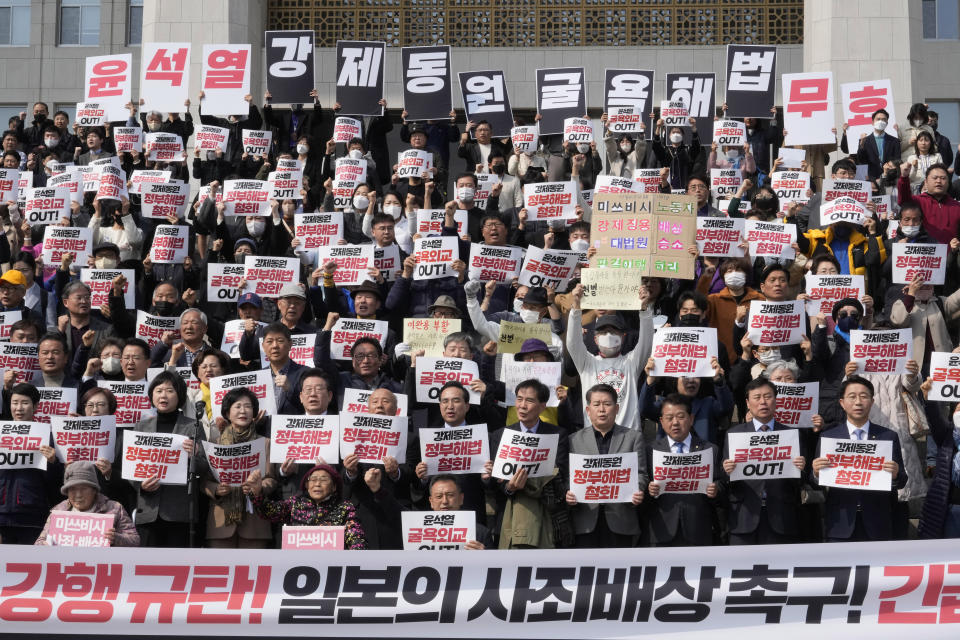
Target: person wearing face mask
859, 250
732, 158
761, 135
392, 226
509, 193
183, 127
582, 163
612, 366
931, 317
671, 152
84, 327
537, 306
355, 150
33, 135
211, 165
290, 126
916, 122
832, 352
115, 228
466, 190
55, 144
731, 303
624, 153
878, 150
236, 124
808, 217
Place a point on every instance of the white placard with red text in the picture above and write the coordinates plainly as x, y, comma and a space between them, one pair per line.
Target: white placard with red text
55, 401
774, 324
305, 439
260, 382
346, 129
550, 200
577, 131
346, 331
356, 401
170, 244
625, 120
256, 142
20, 444
690, 472
211, 138
790, 186
317, 230
433, 373
100, 282
454, 450
107, 82
9, 185
910, 260
230, 464
770, 239
161, 200
616, 184
154, 455
764, 456
353, 262
84, 438
860, 100
859, 190
7, 320
729, 133
684, 352
141, 177
945, 373
435, 257
266, 276
535, 452
46, 206
720, 237
413, 163
226, 79
127, 139
429, 222
151, 328
808, 116
499, 264
133, 404
604, 478
437, 530
164, 147
525, 139
725, 183
548, 268
58, 241
857, 464
797, 403
373, 437
223, 281
246, 197
90, 114
882, 351
843, 209
165, 76
823, 291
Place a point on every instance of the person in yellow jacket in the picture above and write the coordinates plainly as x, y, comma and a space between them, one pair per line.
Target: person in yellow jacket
859, 250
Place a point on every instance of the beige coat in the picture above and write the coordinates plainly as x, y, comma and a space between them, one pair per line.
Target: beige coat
252, 526
927, 315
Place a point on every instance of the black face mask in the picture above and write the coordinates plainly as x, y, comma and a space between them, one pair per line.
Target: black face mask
764, 204
164, 308
689, 320
498, 169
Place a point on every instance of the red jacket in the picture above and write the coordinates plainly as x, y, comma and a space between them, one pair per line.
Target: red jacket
940, 217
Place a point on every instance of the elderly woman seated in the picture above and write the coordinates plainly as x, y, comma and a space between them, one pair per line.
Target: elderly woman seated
319, 503
82, 489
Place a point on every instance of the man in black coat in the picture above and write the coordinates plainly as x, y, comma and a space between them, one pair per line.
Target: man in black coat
762, 511
680, 519
860, 514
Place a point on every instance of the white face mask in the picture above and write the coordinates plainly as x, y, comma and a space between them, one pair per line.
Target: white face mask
750, 132
518, 305
956, 419
360, 203
609, 343
465, 194
256, 227
393, 210
918, 123
583, 148
580, 244
676, 138
771, 355
626, 147
880, 125
355, 154
211, 155
733, 154
153, 125
910, 231
735, 279
106, 263
529, 316
111, 365
302, 149
51, 142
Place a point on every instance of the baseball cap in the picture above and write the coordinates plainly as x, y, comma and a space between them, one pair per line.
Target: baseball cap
292, 290
14, 277
250, 298
612, 321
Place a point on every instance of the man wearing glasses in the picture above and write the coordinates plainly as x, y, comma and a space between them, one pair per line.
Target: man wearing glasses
80, 320
366, 364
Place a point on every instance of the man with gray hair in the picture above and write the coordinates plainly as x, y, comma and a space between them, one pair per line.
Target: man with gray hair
193, 338
79, 320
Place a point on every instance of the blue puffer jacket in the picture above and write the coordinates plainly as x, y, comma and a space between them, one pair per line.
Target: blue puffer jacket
26, 495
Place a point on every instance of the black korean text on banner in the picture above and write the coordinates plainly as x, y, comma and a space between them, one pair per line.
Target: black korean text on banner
433, 373
113, 183
616, 184
357, 401
435, 257
346, 332
164, 199
797, 403
945, 373
550, 200
561, 94
9, 184
373, 437
165, 75
84, 438
303, 439
290, 65
226, 79
683, 472
628, 88
537, 453
151, 328
600, 479
843, 209
58, 241
351, 169
387, 260
437, 530
771, 239
913, 260
55, 401
856, 464
256, 142
808, 108
166, 147
697, 92
776, 323
266, 276
825, 290
22, 359
352, 260
426, 83
499, 264
430, 221
454, 450
764, 456
684, 352
790, 186
260, 382
233, 332
90, 114
485, 98
317, 230
211, 138
223, 281
720, 237
751, 80
577, 131
485, 184
729, 133
100, 282
548, 267
360, 77
346, 129
859, 190
413, 163
881, 351
47, 206
170, 244
7, 319
154, 455
284, 185
525, 139
246, 197
72, 181
127, 139
20, 444
230, 464
108, 82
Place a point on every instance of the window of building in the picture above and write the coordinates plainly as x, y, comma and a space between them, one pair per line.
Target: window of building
7, 111
948, 121
80, 22
135, 22
14, 22
941, 19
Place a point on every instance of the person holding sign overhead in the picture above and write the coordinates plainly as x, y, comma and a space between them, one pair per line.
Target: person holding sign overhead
680, 519
858, 514
672, 153
616, 524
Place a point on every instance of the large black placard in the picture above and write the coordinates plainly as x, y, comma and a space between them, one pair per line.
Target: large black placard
485, 98
360, 77
561, 94
630, 88
426, 83
751, 80
698, 92
290, 65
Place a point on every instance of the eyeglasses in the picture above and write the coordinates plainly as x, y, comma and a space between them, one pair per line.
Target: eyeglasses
844, 314
365, 356
493, 225
857, 396
314, 389
95, 406
132, 358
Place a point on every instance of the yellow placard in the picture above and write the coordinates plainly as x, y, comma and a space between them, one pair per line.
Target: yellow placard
428, 334
512, 335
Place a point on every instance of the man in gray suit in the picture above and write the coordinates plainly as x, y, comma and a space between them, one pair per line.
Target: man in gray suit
613, 524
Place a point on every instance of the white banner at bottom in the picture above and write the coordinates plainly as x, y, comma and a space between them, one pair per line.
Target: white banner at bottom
874, 589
